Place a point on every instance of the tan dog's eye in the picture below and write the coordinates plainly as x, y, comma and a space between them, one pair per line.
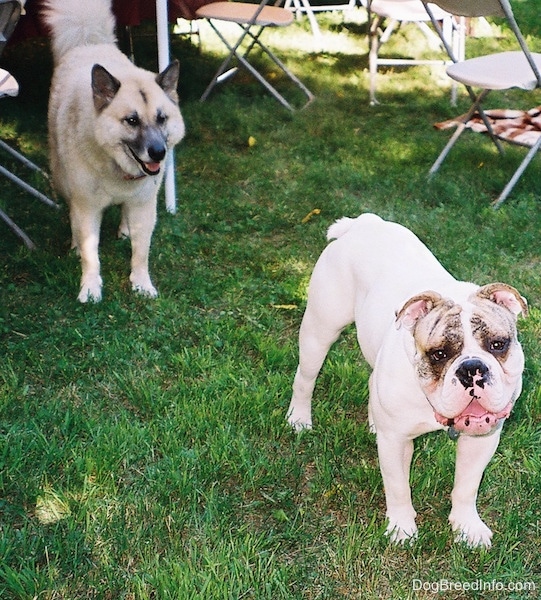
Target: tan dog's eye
132, 120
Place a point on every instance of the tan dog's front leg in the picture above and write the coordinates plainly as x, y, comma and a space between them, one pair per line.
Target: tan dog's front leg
85, 228
395, 453
139, 221
473, 455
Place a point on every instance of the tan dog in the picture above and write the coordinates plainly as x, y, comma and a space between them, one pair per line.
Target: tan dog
111, 125
444, 354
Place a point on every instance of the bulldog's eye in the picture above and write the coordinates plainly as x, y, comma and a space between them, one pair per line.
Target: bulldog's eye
132, 120
438, 355
498, 346
161, 118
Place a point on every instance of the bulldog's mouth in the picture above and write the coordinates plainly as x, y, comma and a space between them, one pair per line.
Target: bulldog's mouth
149, 168
475, 419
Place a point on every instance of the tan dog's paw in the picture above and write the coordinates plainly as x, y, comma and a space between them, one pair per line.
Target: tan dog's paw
90, 290
142, 285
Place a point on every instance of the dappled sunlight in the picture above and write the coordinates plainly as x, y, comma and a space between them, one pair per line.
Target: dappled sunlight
297, 37
51, 507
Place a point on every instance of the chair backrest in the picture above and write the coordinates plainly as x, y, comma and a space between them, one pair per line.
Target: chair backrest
490, 8
10, 11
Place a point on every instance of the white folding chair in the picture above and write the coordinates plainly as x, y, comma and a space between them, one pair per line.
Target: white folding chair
397, 12
10, 11
252, 19
498, 71
300, 7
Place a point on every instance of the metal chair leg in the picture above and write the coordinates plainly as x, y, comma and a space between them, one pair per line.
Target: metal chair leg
511, 184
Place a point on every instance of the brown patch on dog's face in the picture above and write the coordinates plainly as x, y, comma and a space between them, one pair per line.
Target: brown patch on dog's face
439, 339
493, 327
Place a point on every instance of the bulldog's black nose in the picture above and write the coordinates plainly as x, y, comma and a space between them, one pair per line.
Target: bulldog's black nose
472, 368
156, 152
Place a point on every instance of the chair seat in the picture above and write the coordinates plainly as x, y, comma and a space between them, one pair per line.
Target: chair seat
243, 12
8, 84
405, 10
499, 71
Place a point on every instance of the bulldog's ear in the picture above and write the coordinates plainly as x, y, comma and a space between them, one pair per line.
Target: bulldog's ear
506, 296
415, 308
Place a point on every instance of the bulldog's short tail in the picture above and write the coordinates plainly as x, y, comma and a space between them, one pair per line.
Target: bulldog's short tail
345, 224
76, 23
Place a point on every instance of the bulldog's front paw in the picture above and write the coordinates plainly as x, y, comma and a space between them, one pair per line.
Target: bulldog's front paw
299, 419
401, 531
472, 531
90, 290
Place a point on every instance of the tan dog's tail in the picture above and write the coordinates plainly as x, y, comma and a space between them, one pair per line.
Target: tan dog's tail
75, 23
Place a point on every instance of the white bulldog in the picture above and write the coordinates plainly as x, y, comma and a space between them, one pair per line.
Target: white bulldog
444, 354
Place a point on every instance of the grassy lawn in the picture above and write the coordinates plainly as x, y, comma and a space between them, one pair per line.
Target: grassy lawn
143, 444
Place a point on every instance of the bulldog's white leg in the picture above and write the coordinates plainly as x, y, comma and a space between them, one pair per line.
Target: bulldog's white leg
315, 339
330, 307
395, 453
85, 228
139, 220
473, 455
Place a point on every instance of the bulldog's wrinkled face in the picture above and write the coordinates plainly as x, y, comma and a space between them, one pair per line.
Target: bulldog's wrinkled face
467, 357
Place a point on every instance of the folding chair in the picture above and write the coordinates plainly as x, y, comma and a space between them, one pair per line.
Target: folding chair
397, 12
304, 6
499, 71
10, 11
252, 19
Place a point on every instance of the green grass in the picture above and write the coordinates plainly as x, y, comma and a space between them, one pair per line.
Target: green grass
144, 450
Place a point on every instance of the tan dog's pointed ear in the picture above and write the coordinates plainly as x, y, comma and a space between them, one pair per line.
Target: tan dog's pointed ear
168, 80
506, 296
415, 308
104, 87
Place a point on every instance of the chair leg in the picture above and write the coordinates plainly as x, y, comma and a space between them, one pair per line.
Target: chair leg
28, 163
477, 104
17, 231
373, 55
28, 188
221, 70
443, 154
282, 67
475, 107
221, 73
307, 8
511, 184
